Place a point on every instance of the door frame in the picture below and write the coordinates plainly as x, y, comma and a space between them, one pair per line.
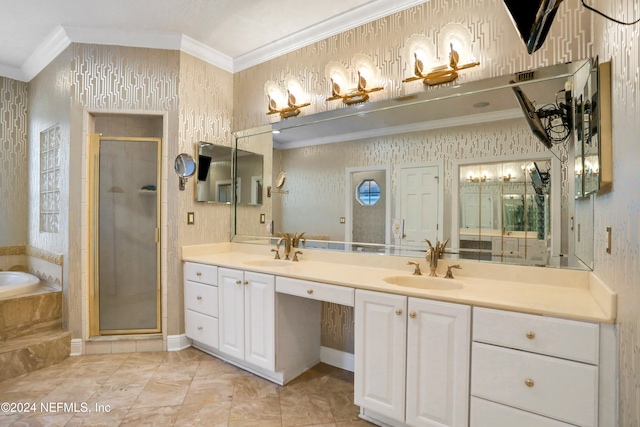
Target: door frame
94, 235
398, 191
350, 198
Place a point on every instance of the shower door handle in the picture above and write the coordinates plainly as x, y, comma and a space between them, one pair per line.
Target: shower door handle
157, 237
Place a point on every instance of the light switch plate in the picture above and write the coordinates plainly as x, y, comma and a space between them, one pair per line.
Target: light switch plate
190, 218
608, 240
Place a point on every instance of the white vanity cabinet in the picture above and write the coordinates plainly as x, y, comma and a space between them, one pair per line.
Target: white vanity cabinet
247, 312
411, 360
201, 304
532, 370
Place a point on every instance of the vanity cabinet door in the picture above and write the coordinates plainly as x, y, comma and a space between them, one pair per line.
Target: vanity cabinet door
231, 312
259, 320
380, 345
438, 358
247, 316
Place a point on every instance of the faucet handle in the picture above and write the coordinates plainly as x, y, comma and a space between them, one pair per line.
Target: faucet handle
449, 274
277, 251
417, 271
295, 255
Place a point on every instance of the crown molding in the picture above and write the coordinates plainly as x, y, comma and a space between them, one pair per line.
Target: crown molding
351, 19
413, 127
207, 54
62, 37
48, 50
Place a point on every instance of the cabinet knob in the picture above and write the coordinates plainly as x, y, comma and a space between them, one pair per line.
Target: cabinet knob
310, 291
246, 282
398, 312
199, 328
238, 282
531, 335
198, 274
198, 297
528, 382
413, 314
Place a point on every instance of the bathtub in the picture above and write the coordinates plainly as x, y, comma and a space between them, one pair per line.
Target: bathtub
16, 283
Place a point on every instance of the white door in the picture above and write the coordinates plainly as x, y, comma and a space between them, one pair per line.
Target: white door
231, 312
259, 309
438, 357
380, 341
419, 203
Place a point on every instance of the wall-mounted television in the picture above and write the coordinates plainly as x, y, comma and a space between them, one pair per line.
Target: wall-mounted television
532, 19
532, 116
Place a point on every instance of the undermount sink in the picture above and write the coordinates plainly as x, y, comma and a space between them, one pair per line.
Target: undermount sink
269, 263
424, 282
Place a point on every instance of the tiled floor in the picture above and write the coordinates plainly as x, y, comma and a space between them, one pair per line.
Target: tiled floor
185, 388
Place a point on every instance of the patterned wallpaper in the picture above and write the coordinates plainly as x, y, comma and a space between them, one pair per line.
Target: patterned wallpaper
494, 43
13, 162
620, 209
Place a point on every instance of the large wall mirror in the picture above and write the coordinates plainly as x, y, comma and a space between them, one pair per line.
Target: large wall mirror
441, 159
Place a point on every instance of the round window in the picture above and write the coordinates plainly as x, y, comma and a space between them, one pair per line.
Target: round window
368, 192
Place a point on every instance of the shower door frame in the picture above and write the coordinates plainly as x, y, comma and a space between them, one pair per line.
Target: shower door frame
94, 235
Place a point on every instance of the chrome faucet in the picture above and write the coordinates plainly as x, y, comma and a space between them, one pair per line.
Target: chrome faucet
433, 254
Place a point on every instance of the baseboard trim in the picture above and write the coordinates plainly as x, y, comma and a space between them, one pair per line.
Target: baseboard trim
337, 358
76, 347
178, 342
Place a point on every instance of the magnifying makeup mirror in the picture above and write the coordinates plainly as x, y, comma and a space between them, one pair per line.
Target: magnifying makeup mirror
280, 179
185, 167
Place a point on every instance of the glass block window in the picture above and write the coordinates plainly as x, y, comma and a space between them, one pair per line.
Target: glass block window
50, 180
368, 192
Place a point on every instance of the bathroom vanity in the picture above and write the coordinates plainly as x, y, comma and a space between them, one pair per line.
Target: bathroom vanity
532, 346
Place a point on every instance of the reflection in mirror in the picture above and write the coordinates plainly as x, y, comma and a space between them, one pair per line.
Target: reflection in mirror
506, 212
248, 177
214, 173
477, 120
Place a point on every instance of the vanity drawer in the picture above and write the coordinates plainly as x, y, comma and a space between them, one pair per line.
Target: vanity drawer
490, 414
201, 298
202, 273
201, 328
314, 290
556, 388
568, 339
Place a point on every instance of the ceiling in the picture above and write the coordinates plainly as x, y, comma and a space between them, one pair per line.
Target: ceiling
231, 34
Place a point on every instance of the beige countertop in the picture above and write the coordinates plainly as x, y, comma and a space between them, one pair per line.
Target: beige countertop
547, 291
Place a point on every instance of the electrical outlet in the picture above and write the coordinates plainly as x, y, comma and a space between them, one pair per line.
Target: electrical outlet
262, 219
190, 218
608, 240
342, 220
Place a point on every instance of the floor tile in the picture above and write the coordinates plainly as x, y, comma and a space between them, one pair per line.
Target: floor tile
152, 417
305, 410
209, 415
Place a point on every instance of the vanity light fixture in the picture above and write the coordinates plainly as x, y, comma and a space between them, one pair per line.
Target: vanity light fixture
291, 110
482, 178
506, 178
441, 74
352, 96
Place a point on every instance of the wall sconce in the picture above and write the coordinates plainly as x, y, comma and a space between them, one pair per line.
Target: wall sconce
441, 74
483, 178
291, 110
352, 96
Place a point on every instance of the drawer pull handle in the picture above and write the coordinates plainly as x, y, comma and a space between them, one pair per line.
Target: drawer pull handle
238, 282
198, 274
310, 291
246, 282
413, 314
531, 335
528, 382
398, 312
199, 298
199, 328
